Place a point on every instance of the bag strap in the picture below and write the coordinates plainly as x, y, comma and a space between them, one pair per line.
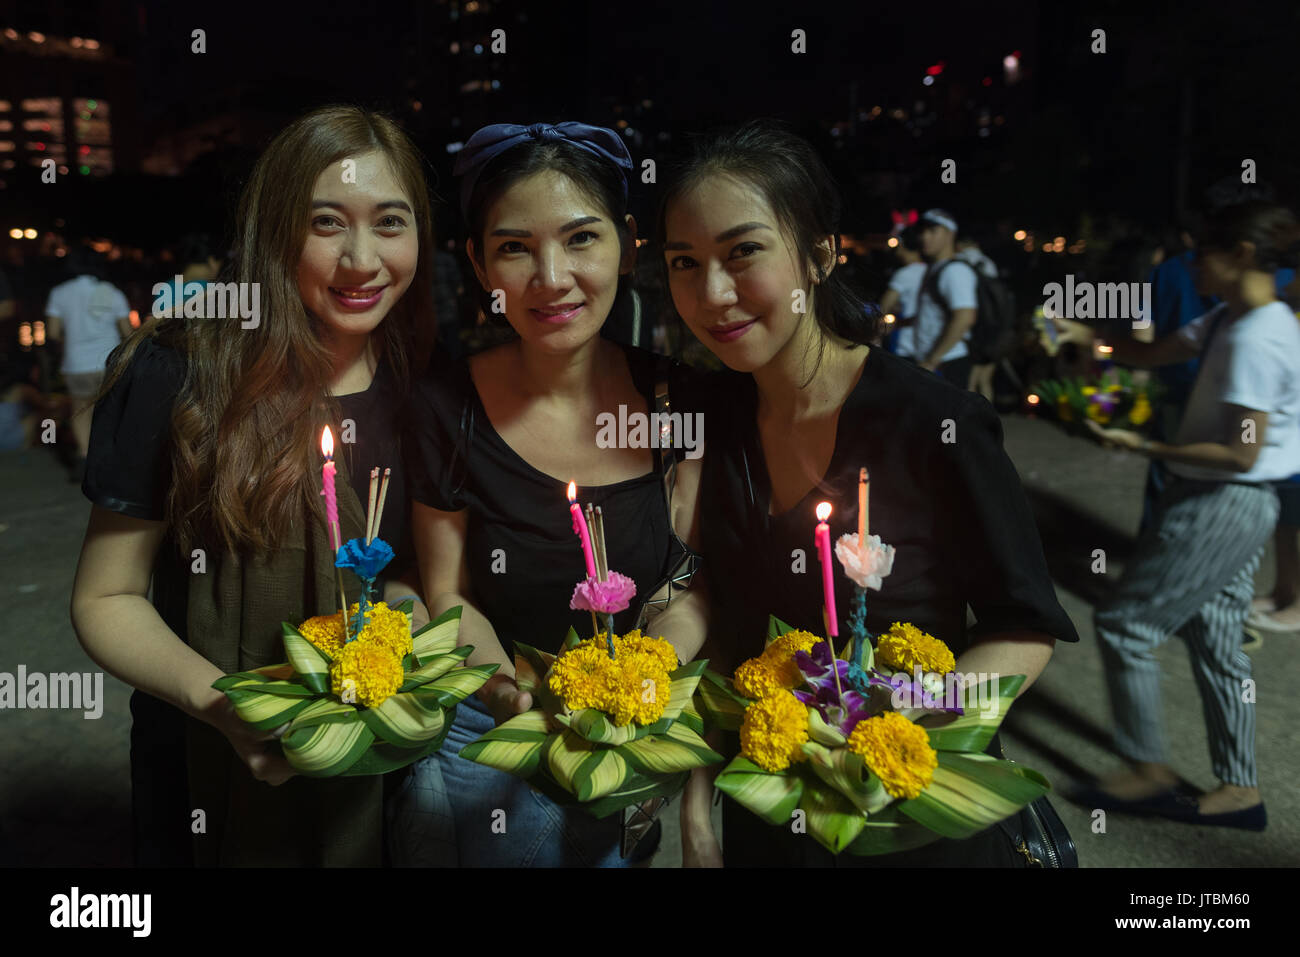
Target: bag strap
680, 575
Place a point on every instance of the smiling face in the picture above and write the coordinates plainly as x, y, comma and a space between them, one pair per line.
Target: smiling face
362, 247
732, 272
555, 253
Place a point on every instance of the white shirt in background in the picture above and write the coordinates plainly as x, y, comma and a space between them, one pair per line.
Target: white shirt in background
906, 281
1254, 363
957, 286
90, 310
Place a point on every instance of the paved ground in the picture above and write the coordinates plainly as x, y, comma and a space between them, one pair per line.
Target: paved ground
64, 785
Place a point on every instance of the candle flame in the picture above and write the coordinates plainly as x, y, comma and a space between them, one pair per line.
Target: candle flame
823, 511
327, 443
573, 491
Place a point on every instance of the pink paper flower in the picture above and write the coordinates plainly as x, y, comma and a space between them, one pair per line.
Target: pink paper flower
865, 566
606, 598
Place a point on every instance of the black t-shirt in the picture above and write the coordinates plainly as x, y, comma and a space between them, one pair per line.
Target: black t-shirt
128, 468
942, 492
521, 552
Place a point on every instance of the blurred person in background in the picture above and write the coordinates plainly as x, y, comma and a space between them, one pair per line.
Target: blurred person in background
900, 299
90, 316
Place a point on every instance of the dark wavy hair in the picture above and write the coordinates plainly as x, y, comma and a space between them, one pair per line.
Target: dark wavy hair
246, 424
787, 172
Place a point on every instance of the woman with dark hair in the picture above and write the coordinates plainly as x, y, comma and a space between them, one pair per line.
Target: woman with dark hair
495, 441
750, 226
204, 473
1193, 569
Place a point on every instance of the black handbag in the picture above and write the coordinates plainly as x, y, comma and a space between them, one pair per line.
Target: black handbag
1037, 832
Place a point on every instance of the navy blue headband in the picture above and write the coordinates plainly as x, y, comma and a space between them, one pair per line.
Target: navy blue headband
492, 141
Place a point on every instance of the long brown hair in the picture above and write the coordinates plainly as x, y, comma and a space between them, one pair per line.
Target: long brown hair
246, 425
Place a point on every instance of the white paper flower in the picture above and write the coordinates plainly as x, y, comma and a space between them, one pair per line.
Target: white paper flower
865, 566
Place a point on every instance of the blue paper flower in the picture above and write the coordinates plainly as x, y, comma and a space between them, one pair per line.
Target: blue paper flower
366, 561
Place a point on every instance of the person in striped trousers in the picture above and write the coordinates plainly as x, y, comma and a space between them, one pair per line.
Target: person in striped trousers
1192, 572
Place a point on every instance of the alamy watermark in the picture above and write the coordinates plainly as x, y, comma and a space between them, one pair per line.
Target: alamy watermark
656, 430
76, 909
932, 691
213, 300
1099, 300
60, 690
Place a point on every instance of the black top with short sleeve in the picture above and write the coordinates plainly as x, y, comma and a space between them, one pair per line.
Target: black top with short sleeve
522, 555
128, 468
942, 492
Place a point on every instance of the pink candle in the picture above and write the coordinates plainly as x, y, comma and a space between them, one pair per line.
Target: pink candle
580, 528
822, 539
327, 481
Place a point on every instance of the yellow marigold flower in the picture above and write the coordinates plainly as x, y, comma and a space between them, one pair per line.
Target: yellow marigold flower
1141, 410
780, 656
756, 679
1089, 390
586, 676
325, 632
905, 646
369, 672
774, 731
1098, 414
897, 751
386, 627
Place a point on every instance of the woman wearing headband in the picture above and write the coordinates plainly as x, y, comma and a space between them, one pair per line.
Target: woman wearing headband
495, 441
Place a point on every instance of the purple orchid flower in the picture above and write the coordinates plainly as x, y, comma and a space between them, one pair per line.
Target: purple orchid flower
910, 690
842, 705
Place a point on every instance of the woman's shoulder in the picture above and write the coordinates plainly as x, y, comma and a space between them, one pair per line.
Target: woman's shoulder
902, 390
154, 364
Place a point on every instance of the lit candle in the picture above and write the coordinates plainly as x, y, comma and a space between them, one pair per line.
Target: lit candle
332, 518
580, 529
862, 507
327, 481
822, 539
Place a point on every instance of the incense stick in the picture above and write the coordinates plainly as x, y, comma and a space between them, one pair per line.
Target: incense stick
370, 508
383, 494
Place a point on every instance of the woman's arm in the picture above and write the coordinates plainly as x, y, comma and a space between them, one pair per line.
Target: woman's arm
1237, 455
684, 623
1169, 350
123, 633
440, 553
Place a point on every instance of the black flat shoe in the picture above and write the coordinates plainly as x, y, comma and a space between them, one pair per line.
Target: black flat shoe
1185, 808
1091, 796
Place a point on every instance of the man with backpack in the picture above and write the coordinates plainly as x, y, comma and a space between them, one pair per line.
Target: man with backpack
965, 320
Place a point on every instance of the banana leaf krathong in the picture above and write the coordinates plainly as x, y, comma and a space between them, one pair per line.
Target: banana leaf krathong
328, 737
845, 805
582, 758
1113, 400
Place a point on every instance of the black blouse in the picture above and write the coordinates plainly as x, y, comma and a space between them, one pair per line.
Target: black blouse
521, 552
128, 469
942, 492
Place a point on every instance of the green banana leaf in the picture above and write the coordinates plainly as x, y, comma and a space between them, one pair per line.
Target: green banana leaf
967, 796
773, 797
832, 821
974, 729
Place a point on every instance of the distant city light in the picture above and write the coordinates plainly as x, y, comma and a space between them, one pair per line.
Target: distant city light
892, 242
135, 318
928, 80
935, 70
38, 333
15, 234
1032, 399
455, 147
478, 48
455, 46
25, 335
889, 319
29, 233
843, 259
1018, 235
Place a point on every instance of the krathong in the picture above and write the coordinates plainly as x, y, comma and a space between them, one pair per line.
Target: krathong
838, 744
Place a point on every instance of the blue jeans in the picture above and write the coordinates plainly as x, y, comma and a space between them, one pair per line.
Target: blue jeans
450, 812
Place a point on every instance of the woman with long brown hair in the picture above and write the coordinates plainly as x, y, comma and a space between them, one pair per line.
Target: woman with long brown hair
204, 473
